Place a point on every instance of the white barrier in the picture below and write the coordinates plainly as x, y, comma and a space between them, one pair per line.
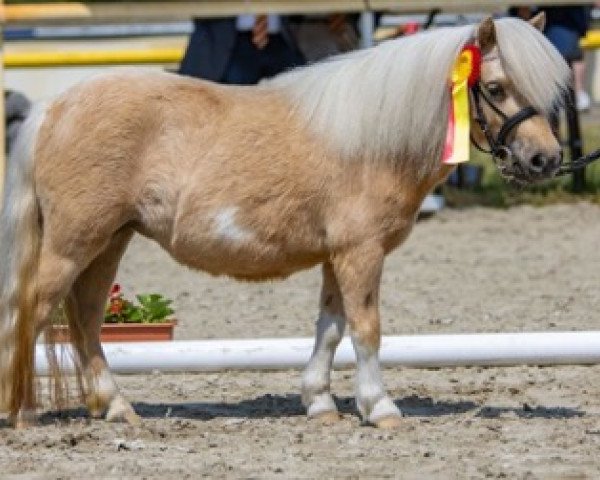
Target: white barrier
537, 348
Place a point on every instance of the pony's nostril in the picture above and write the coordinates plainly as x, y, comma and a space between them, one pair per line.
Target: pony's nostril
537, 162
503, 154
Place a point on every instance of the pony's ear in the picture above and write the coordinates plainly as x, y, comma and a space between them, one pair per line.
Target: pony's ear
486, 35
539, 21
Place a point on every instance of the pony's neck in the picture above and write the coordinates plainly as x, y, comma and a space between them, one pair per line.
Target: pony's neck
383, 105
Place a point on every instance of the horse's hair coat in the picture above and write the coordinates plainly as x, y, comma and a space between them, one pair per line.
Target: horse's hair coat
361, 99
328, 165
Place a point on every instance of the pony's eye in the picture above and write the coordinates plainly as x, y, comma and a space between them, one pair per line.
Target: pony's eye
496, 91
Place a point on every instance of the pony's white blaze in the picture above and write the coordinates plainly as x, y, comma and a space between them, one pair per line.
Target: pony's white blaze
226, 228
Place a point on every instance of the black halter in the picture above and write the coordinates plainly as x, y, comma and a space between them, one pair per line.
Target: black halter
498, 147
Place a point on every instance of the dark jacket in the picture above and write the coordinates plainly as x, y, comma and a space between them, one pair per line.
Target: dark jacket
211, 44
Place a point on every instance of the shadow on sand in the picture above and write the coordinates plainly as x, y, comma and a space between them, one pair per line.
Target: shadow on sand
277, 406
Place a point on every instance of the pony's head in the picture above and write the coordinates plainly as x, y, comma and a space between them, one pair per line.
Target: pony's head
522, 81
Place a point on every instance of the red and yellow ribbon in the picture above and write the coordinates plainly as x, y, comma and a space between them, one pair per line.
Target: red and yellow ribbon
465, 73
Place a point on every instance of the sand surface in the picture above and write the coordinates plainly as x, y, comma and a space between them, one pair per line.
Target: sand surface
473, 270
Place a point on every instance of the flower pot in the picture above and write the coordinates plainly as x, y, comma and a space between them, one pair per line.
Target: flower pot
124, 332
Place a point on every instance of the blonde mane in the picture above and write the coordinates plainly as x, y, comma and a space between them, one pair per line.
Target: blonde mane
389, 103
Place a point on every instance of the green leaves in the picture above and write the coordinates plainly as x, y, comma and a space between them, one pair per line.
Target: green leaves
154, 307
151, 308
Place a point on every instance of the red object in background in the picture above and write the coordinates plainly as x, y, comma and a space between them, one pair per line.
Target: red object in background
411, 27
123, 332
115, 291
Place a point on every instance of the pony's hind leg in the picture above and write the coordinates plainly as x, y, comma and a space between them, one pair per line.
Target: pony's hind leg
316, 380
55, 276
358, 272
86, 305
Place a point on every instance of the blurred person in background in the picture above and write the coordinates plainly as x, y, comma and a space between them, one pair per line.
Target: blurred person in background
565, 27
321, 36
248, 48
240, 50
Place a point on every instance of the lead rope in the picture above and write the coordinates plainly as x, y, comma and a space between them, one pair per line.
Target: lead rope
578, 164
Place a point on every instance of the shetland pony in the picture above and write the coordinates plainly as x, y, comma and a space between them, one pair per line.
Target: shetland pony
326, 164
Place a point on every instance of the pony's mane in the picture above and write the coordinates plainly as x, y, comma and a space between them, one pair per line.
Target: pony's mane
390, 103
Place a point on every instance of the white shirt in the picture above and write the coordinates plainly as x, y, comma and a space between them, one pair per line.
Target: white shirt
245, 23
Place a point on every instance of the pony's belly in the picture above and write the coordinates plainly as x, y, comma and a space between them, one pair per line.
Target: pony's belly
225, 247
251, 262
244, 244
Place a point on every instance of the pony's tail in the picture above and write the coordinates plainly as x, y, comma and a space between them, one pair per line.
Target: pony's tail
20, 242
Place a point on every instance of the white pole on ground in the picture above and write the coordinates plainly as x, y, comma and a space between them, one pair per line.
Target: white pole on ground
536, 348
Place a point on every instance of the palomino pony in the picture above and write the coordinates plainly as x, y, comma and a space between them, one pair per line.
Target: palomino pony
324, 165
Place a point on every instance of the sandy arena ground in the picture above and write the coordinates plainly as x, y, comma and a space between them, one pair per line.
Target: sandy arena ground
476, 270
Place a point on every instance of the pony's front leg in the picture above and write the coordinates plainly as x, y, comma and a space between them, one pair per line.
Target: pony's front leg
358, 272
316, 380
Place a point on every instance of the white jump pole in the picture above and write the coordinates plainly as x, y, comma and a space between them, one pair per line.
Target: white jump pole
539, 348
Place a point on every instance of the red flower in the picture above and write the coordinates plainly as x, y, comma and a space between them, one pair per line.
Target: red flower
116, 306
115, 291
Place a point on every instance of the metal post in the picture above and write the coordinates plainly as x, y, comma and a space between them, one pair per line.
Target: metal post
575, 142
367, 29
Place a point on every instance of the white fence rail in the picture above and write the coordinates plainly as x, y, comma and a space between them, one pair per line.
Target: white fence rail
535, 348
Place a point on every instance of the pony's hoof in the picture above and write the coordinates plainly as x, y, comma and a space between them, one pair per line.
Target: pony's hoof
390, 422
128, 416
121, 411
327, 418
96, 406
23, 419
23, 424
133, 419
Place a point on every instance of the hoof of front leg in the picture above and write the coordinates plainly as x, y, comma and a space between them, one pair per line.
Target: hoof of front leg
327, 418
120, 410
391, 422
383, 414
322, 408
